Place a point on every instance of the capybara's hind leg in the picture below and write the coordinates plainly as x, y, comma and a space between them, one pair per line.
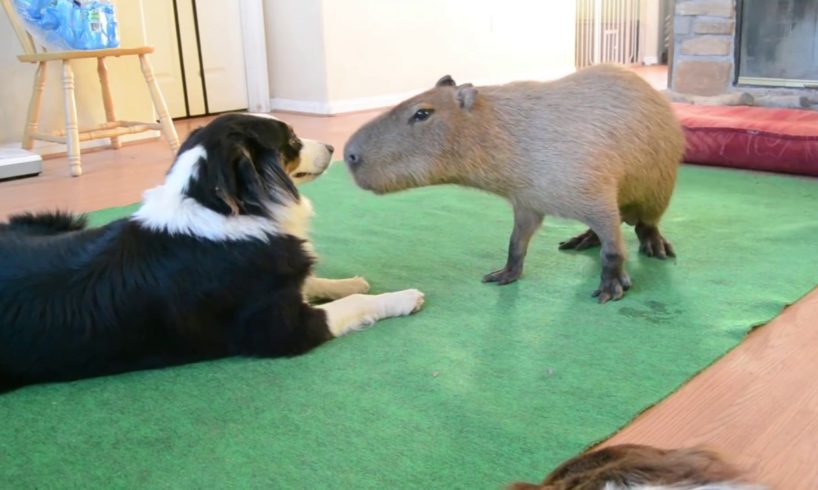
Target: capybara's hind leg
652, 243
583, 241
526, 223
614, 280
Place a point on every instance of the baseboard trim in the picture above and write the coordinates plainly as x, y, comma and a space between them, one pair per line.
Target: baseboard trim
48, 148
381, 101
302, 106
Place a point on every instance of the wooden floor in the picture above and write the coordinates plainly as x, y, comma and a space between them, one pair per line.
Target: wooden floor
759, 404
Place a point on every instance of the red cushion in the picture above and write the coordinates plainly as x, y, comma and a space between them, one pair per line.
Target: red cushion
756, 138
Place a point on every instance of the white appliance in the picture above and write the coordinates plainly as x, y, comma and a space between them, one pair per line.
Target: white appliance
16, 162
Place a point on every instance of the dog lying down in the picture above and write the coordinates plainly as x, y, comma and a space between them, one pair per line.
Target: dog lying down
216, 262
636, 467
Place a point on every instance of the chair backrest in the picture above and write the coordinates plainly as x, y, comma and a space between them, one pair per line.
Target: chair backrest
29, 47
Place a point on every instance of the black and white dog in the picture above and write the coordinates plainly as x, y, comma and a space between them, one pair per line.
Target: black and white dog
216, 262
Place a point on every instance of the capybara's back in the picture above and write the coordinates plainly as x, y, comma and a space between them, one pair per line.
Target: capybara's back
600, 130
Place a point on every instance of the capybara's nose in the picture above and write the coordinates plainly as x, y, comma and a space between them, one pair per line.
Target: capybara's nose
352, 157
330, 148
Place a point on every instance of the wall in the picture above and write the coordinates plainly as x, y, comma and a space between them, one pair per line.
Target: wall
374, 53
131, 96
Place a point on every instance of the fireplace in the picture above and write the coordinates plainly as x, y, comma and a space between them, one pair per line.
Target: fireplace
777, 43
766, 48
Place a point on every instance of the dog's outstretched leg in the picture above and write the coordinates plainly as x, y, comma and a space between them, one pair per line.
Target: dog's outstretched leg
359, 310
320, 288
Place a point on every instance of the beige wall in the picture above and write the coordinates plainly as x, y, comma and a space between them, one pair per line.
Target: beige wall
378, 48
131, 97
331, 56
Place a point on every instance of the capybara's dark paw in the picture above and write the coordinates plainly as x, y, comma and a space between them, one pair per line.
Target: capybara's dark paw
612, 288
584, 241
503, 276
652, 243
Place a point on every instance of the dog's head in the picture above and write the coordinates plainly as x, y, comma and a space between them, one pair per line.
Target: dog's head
638, 466
241, 164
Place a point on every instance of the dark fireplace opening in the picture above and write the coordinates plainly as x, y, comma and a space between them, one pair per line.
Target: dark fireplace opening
777, 43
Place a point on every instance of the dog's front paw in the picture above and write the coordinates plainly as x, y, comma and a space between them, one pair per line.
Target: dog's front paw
402, 303
355, 285
332, 289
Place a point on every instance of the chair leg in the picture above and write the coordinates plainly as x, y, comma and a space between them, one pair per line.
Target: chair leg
168, 129
72, 135
107, 100
34, 106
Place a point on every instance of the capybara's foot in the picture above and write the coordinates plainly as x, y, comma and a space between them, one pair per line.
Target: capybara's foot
584, 241
615, 280
652, 243
613, 288
503, 276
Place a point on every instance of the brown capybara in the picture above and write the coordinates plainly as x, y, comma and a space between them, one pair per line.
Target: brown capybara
600, 146
637, 467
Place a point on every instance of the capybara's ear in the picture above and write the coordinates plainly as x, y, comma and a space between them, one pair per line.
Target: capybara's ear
446, 81
466, 94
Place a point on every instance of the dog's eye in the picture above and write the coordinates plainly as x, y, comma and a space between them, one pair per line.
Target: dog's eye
421, 115
295, 143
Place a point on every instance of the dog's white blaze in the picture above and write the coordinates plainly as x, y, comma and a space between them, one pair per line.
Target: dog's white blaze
166, 208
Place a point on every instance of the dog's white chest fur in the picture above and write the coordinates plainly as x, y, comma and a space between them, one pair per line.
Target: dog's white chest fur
295, 220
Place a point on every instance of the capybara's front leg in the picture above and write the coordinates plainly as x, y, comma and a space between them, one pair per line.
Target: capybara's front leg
526, 223
614, 280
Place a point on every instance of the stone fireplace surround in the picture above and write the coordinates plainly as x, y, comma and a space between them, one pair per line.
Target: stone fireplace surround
702, 63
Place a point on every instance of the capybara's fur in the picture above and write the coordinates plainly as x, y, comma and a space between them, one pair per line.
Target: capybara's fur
600, 146
631, 466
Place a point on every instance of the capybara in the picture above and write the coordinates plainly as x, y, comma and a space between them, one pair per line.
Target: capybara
638, 467
600, 146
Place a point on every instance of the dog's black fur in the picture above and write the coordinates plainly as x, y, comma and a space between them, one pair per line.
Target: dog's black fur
78, 302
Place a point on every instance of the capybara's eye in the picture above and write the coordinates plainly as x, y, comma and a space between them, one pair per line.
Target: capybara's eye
421, 115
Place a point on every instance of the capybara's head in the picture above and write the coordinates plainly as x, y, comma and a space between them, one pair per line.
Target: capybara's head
416, 143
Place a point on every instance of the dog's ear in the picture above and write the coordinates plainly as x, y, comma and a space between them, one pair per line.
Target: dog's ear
242, 190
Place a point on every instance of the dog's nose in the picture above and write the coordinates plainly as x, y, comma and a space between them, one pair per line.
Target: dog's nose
330, 148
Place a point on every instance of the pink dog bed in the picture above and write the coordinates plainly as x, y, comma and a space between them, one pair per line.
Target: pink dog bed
755, 138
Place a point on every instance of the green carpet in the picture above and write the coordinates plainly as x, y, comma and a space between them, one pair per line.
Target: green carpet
485, 386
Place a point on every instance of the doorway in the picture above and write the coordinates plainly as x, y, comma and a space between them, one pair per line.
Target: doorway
199, 60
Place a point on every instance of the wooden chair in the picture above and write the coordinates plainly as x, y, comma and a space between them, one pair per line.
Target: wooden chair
72, 134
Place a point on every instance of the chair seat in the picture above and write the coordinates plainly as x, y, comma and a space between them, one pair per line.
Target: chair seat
80, 54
